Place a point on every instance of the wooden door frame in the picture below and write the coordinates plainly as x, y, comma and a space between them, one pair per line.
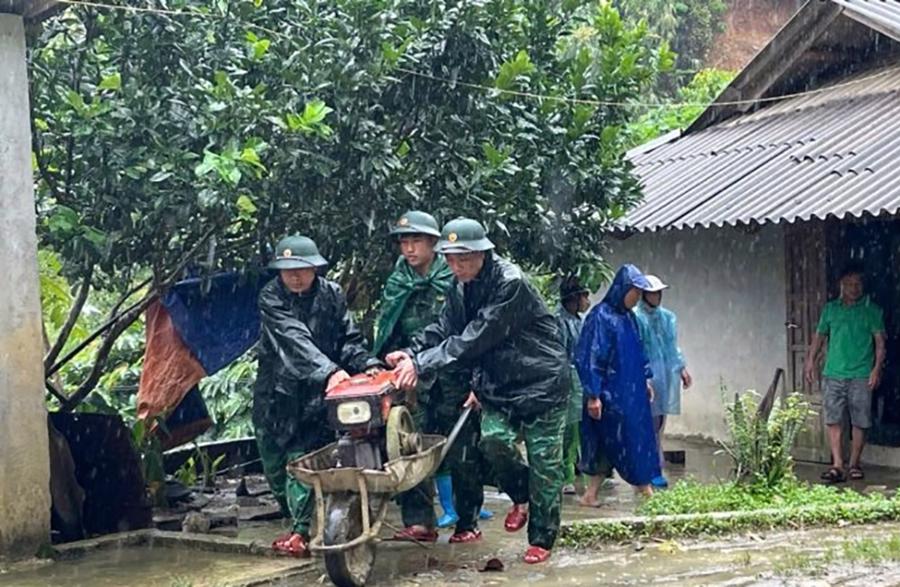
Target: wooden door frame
806, 255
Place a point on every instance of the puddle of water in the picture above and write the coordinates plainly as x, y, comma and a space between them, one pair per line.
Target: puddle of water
737, 561
776, 559
148, 567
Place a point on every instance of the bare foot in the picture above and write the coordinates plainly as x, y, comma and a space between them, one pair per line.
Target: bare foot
645, 491
589, 500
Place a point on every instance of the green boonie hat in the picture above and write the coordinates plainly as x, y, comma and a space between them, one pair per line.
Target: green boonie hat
297, 252
571, 287
416, 222
463, 235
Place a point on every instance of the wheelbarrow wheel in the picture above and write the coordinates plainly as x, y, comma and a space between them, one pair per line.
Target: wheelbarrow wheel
351, 567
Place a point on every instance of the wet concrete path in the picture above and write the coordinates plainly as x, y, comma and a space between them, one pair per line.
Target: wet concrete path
790, 558
733, 561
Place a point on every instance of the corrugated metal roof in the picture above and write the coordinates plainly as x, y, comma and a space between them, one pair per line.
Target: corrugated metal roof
881, 15
831, 153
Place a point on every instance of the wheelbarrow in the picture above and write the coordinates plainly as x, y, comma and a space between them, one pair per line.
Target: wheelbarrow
379, 455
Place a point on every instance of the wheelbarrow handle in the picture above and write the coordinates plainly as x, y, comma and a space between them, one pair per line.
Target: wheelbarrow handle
455, 432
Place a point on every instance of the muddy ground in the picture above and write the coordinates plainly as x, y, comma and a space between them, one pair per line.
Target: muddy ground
829, 556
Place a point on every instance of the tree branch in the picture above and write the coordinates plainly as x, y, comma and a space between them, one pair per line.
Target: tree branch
94, 335
114, 327
128, 294
89, 28
109, 340
55, 391
71, 319
43, 169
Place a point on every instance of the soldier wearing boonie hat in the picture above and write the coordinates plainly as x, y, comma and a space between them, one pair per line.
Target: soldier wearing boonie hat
411, 300
496, 323
308, 343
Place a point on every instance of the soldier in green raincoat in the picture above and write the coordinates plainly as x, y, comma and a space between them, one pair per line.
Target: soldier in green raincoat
495, 323
574, 300
308, 344
411, 300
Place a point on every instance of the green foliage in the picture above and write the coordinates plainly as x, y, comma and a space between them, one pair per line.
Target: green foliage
699, 21
872, 551
874, 508
761, 447
115, 393
187, 473
56, 295
690, 26
151, 131
283, 115
807, 564
209, 467
147, 445
860, 551
229, 395
691, 497
702, 90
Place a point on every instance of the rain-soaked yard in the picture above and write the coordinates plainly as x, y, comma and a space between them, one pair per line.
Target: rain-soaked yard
851, 555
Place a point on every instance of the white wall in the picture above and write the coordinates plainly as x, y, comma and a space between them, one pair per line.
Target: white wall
728, 290
24, 452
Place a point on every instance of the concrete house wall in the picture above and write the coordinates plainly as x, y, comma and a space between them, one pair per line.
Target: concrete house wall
728, 290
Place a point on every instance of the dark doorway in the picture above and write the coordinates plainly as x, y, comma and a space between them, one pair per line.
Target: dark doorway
875, 244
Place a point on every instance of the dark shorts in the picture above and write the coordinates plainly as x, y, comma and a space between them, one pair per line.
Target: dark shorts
847, 394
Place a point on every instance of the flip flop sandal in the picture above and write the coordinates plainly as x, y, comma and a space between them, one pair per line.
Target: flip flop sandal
833, 475
465, 537
536, 554
856, 474
292, 544
417, 534
516, 518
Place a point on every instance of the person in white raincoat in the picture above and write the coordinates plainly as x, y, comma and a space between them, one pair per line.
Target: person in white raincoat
659, 335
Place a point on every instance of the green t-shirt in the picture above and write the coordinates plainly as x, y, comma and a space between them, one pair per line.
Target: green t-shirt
850, 331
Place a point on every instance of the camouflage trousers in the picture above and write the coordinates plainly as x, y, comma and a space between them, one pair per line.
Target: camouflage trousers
463, 463
571, 447
538, 483
296, 500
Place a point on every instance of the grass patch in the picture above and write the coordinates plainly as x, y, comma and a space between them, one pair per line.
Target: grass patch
872, 551
691, 497
789, 508
764, 494
865, 551
803, 564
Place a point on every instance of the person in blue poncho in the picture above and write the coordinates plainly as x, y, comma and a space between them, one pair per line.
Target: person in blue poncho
616, 376
659, 333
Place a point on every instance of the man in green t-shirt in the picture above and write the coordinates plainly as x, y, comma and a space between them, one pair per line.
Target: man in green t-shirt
851, 331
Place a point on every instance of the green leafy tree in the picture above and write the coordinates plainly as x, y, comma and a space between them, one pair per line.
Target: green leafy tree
689, 103
195, 140
690, 27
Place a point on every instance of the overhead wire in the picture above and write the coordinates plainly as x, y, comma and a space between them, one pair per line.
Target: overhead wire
166, 12
638, 103
493, 89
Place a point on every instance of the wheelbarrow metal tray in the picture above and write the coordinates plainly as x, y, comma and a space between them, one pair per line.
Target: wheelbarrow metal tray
398, 475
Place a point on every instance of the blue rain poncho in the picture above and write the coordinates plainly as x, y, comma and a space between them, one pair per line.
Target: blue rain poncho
659, 333
612, 366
